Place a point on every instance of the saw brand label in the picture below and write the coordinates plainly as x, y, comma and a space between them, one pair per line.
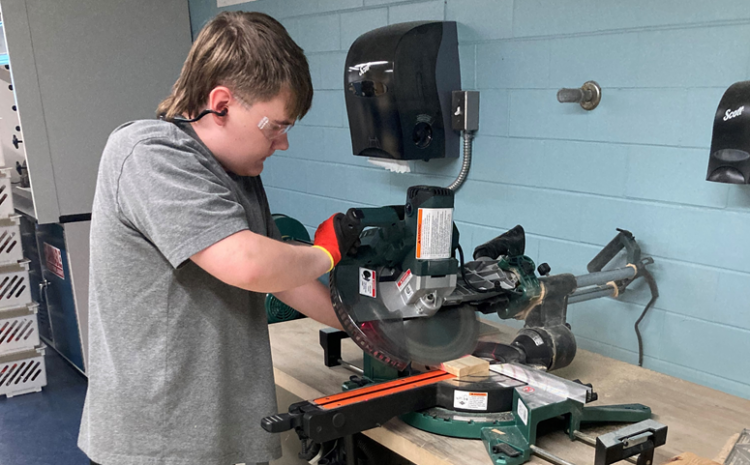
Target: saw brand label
368, 283
470, 400
405, 278
434, 233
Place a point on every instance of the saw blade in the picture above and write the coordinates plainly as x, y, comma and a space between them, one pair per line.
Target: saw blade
396, 341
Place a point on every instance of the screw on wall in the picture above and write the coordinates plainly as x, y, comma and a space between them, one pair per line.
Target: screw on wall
589, 95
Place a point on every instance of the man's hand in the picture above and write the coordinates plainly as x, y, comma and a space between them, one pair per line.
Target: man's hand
338, 235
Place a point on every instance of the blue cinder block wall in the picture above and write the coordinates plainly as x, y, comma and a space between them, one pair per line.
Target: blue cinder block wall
570, 177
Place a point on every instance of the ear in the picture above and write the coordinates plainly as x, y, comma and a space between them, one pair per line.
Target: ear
219, 100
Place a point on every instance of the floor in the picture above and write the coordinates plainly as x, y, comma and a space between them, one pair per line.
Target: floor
42, 428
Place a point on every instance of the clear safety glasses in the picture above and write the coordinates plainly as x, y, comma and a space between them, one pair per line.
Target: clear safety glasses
273, 130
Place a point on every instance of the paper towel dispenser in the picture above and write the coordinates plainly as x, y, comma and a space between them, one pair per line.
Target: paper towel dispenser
730, 146
398, 82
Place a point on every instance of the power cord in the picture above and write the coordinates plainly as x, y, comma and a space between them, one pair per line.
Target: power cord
654, 295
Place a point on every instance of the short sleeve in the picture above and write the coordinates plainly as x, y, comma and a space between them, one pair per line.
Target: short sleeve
176, 201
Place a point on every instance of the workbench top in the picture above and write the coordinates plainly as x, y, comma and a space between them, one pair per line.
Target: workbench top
700, 419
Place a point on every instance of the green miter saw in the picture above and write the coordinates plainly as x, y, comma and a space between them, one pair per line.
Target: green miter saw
410, 304
405, 299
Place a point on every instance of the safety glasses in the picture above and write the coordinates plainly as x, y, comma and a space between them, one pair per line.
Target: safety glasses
273, 130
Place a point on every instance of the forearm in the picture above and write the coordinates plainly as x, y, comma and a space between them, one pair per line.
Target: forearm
257, 263
278, 266
312, 299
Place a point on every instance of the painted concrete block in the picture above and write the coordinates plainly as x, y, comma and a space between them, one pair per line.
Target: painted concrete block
494, 109
540, 212
697, 129
480, 20
730, 306
706, 346
422, 11
684, 288
467, 56
710, 56
305, 141
678, 232
338, 5
739, 197
611, 321
322, 174
327, 109
520, 64
553, 17
612, 60
383, 2
319, 33
638, 116
673, 175
292, 28
691, 375
590, 167
332, 71
338, 147
609, 350
356, 23
450, 167
289, 173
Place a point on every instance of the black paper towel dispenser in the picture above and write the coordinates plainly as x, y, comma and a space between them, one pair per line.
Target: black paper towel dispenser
398, 82
730, 146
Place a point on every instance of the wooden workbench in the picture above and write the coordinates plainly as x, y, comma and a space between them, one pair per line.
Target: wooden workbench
700, 419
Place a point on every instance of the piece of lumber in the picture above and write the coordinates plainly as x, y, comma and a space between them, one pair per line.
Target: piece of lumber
466, 366
689, 458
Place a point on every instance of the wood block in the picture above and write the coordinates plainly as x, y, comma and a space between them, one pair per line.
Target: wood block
466, 366
689, 458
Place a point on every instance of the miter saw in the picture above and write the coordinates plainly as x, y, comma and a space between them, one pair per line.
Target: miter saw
408, 299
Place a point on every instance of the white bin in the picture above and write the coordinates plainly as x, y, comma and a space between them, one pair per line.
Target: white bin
6, 198
19, 329
10, 240
14, 285
22, 372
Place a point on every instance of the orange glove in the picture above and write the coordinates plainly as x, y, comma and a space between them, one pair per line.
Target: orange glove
338, 236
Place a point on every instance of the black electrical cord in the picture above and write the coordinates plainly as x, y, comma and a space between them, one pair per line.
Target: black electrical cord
654, 295
180, 119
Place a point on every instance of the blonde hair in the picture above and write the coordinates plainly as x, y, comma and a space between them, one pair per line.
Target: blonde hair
250, 53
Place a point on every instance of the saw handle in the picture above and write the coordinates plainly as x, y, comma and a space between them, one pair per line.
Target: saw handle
371, 217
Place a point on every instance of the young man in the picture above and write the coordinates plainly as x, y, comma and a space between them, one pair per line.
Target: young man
183, 251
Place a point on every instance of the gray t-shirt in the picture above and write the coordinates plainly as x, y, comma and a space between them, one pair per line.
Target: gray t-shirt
180, 368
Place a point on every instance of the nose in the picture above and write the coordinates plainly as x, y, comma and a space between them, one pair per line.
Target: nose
281, 142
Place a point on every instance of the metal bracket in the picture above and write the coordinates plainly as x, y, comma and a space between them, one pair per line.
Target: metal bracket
639, 439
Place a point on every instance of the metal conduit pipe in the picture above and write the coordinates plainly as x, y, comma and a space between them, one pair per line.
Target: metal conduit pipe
466, 165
